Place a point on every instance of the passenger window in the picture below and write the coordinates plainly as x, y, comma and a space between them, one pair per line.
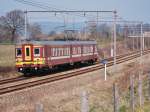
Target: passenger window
74, 50
95, 49
52, 51
56, 51
18, 52
79, 50
65, 51
68, 53
27, 52
36, 51
91, 48
84, 49
59, 51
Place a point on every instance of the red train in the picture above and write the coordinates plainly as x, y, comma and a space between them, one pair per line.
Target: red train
38, 55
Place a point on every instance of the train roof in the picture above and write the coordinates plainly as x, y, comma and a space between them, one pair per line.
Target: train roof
59, 42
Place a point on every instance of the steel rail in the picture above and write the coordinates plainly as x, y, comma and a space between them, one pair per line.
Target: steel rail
22, 86
10, 80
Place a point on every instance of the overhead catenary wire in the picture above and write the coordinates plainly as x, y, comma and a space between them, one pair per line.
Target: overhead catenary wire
57, 10
45, 7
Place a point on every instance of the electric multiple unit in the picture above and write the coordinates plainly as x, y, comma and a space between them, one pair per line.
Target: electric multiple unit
38, 55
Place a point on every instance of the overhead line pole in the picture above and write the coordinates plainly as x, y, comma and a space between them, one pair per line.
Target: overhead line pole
25, 24
115, 37
142, 39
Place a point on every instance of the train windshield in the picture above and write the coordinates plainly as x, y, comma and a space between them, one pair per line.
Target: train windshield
18, 52
27, 52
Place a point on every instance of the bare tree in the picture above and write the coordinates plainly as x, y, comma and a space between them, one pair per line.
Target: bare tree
35, 31
93, 30
52, 33
4, 34
14, 23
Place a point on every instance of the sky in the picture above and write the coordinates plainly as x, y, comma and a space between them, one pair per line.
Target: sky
135, 10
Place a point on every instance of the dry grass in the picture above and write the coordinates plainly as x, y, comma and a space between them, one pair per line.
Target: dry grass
65, 95
7, 55
7, 61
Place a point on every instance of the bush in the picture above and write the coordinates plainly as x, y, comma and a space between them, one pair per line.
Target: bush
123, 108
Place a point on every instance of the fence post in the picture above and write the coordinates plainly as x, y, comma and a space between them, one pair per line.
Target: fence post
140, 91
132, 93
149, 86
84, 102
39, 107
115, 94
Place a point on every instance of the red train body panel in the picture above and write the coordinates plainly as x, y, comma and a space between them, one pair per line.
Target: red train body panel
48, 54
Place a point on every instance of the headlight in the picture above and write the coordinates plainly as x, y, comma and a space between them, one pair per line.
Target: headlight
20, 69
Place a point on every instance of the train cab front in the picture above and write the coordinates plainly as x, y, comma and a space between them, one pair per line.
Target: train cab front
29, 58
24, 57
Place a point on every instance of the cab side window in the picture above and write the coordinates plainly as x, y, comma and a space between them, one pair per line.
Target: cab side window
18, 52
36, 51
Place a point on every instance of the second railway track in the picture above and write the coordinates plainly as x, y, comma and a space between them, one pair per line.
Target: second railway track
20, 86
20, 78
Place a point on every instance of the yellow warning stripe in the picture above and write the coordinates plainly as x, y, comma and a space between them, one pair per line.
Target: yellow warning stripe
36, 61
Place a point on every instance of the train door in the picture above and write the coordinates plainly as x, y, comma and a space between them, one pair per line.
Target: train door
28, 55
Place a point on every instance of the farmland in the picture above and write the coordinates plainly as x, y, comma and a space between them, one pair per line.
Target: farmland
7, 61
7, 55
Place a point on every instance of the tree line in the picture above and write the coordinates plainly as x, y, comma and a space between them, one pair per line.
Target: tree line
12, 26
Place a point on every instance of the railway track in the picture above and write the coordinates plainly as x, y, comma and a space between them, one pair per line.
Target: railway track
52, 78
9, 80
20, 78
